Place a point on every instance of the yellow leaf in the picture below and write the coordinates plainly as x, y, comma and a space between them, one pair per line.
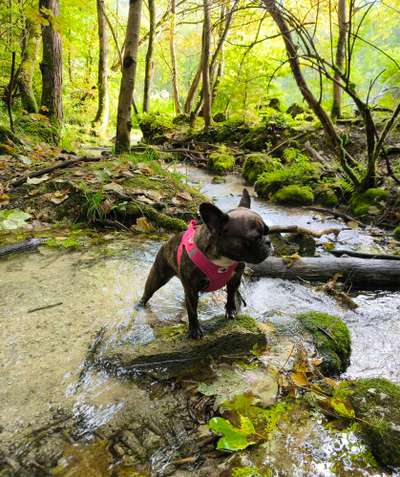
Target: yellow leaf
299, 379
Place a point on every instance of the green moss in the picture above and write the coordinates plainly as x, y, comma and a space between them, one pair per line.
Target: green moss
294, 195
301, 173
158, 219
6, 136
248, 472
361, 202
331, 338
221, 160
376, 403
247, 322
396, 232
257, 163
292, 154
67, 243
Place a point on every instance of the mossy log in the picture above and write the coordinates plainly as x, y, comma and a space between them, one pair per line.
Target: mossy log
359, 272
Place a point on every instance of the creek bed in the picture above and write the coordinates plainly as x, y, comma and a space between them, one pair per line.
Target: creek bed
43, 352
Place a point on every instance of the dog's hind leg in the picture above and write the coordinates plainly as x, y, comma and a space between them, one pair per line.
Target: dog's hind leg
233, 300
160, 274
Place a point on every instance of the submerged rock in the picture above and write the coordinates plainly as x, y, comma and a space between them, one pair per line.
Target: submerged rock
376, 403
331, 338
171, 353
222, 160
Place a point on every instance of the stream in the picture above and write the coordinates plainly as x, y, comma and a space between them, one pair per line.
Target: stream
43, 351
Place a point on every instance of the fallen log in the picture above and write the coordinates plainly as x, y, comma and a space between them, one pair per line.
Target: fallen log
352, 253
358, 273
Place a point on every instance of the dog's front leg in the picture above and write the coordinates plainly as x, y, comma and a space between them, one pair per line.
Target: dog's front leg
232, 306
191, 301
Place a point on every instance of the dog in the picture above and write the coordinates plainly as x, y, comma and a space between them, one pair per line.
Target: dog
210, 255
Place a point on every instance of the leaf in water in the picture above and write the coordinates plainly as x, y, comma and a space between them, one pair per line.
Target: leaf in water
13, 219
143, 225
233, 438
299, 379
342, 408
37, 180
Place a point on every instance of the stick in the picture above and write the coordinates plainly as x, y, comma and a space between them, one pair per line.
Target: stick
351, 253
336, 214
45, 307
294, 229
287, 141
62, 165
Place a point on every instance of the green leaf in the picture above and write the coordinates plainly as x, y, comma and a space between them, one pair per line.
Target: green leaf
342, 408
233, 438
13, 219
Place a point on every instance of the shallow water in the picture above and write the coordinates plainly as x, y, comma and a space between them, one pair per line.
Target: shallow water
43, 352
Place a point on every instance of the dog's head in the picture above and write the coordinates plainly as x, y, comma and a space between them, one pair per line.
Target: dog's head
240, 234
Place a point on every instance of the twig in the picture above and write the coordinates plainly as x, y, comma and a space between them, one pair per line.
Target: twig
287, 141
62, 165
45, 307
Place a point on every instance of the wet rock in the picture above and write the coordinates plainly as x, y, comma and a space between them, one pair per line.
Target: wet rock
172, 354
295, 109
222, 160
376, 403
331, 339
219, 117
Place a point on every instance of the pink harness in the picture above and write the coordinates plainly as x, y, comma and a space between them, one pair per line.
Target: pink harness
217, 276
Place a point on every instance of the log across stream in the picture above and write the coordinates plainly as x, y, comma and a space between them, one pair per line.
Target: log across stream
361, 273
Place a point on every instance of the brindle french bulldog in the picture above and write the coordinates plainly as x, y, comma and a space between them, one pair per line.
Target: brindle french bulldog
224, 238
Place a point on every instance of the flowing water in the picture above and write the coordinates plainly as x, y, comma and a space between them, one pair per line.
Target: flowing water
42, 352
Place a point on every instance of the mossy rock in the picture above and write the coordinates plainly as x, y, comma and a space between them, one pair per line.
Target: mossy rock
295, 109
38, 126
331, 338
8, 137
222, 160
155, 127
325, 195
396, 233
376, 402
171, 353
361, 202
257, 163
294, 195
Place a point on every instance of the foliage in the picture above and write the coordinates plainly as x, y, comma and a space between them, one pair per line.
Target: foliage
294, 195
396, 232
233, 438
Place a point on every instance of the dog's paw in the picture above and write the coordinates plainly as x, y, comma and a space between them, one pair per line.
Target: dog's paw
195, 333
231, 314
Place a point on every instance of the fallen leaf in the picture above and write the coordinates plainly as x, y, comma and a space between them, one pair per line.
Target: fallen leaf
13, 219
184, 195
299, 379
143, 225
114, 187
37, 180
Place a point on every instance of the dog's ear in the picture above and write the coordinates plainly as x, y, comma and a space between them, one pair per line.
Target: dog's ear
245, 201
266, 229
213, 217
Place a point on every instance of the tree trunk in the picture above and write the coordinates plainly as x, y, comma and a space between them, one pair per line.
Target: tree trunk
340, 51
359, 272
127, 87
316, 107
103, 107
193, 88
149, 69
30, 49
206, 65
175, 90
51, 65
